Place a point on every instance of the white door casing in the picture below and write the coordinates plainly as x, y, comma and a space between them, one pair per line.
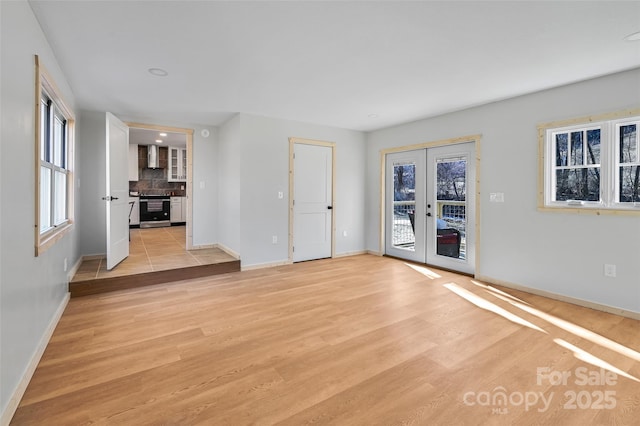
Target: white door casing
312, 202
117, 190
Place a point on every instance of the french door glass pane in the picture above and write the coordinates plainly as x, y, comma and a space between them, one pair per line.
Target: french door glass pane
45, 199
404, 205
451, 195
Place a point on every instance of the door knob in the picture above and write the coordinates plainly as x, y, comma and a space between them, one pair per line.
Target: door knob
329, 207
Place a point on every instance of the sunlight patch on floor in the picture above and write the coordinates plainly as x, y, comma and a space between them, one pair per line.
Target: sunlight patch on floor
424, 271
585, 356
574, 329
485, 304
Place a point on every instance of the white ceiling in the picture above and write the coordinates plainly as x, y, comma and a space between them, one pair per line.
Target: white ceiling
150, 137
332, 63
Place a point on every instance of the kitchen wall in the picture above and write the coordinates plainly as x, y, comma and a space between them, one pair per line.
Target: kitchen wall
33, 290
254, 167
154, 181
554, 252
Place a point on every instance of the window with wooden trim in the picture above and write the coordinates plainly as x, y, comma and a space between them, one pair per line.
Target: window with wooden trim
54, 148
592, 164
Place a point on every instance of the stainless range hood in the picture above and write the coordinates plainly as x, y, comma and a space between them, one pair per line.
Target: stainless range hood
153, 160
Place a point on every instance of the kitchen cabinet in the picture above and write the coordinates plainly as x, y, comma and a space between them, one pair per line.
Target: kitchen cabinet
177, 164
134, 217
133, 162
177, 209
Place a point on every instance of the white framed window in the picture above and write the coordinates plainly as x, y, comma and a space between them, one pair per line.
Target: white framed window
591, 164
627, 164
54, 155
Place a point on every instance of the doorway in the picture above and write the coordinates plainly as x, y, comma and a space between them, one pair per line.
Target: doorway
430, 206
311, 213
175, 161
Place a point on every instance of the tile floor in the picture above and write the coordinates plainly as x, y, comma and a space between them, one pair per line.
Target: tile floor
153, 249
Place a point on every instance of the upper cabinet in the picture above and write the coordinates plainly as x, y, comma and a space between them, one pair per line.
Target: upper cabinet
133, 162
177, 165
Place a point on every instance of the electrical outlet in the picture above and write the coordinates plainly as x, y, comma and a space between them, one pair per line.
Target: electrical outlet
344, 233
609, 270
274, 239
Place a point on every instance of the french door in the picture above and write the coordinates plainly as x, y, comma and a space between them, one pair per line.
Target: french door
405, 191
430, 206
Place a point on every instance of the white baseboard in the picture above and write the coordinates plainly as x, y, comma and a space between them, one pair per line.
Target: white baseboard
375, 253
203, 246
289, 262
563, 298
74, 269
19, 391
94, 256
227, 250
265, 265
350, 253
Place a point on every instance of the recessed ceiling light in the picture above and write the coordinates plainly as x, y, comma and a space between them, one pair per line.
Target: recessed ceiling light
159, 140
159, 72
163, 134
633, 37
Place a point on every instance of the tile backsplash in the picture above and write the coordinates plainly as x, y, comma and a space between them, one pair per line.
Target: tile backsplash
154, 181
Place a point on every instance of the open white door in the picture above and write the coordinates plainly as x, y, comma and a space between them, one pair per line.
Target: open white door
312, 202
117, 191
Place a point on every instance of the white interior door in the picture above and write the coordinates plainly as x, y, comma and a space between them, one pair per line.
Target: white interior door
117, 191
451, 178
404, 189
312, 202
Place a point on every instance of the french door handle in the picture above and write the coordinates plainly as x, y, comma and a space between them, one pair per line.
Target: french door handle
109, 198
428, 214
329, 207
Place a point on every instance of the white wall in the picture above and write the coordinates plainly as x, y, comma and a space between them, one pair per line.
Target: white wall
256, 149
32, 289
558, 253
229, 177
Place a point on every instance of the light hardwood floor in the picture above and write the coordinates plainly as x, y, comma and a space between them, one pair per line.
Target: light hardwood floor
361, 340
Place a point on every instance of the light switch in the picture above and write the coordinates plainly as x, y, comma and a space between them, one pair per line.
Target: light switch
201, 184
280, 195
496, 197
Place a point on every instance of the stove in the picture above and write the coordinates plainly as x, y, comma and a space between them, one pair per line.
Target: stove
155, 211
